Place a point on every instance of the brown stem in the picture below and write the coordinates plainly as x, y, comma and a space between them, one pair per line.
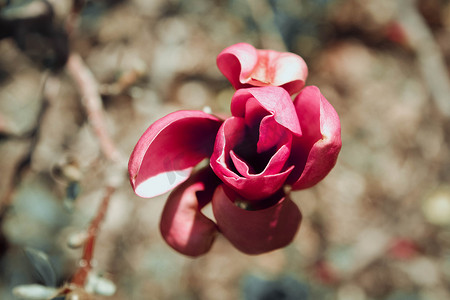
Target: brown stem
86, 265
429, 56
92, 102
72, 19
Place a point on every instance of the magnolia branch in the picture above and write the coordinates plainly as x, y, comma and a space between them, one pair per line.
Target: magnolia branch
80, 276
92, 102
430, 59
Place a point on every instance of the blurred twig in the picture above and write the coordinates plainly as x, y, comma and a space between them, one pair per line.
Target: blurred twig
124, 82
90, 98
72, 19
430, 59
92, 103
263, 16
86, 262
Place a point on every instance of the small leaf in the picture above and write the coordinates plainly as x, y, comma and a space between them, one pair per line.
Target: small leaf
42, 265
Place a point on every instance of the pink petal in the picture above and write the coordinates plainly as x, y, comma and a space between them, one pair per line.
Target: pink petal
245, 66
273, 99
182, 225
237, 62
168, 150
229, 135
256, 187
250, 186
284, 69
256, 231
253, 112
271, 134
315, 153
278, 161
241, 166
274, 166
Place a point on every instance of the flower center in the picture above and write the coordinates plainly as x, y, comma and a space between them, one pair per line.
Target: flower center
247, 150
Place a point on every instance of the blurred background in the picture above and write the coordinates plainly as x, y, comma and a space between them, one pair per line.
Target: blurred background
378, 227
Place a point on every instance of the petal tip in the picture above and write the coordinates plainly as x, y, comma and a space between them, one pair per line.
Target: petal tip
161, 183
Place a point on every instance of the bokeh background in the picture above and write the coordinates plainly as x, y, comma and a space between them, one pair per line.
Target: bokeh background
378, 227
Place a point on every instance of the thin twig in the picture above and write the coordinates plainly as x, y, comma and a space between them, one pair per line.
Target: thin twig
429, 56
72, 18
92, 102
86, 262
264, 17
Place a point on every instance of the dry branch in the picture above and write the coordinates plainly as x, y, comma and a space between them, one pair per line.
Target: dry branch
92, 102
429, 56
86, 262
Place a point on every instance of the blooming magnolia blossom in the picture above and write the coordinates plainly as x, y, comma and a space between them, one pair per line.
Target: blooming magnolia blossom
245, 66
268, 142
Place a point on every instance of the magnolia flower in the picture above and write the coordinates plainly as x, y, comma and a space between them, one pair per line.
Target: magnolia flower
268, 143
245, 66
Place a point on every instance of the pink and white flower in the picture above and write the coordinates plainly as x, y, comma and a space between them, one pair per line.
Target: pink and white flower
269, 142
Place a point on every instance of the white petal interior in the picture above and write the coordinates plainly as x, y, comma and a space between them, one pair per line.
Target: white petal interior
162, 183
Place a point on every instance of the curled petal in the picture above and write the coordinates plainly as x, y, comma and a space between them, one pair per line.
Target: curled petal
244, 66
241, 166
257, 187
315, 153
271, 134
256, 231
182, 225
229, 135
235, 172
168, 150
274, 166
237, 63
274, 100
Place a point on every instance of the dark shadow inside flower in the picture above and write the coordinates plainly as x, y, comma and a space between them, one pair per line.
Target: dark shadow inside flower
246, 150
263, 146
252, 148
